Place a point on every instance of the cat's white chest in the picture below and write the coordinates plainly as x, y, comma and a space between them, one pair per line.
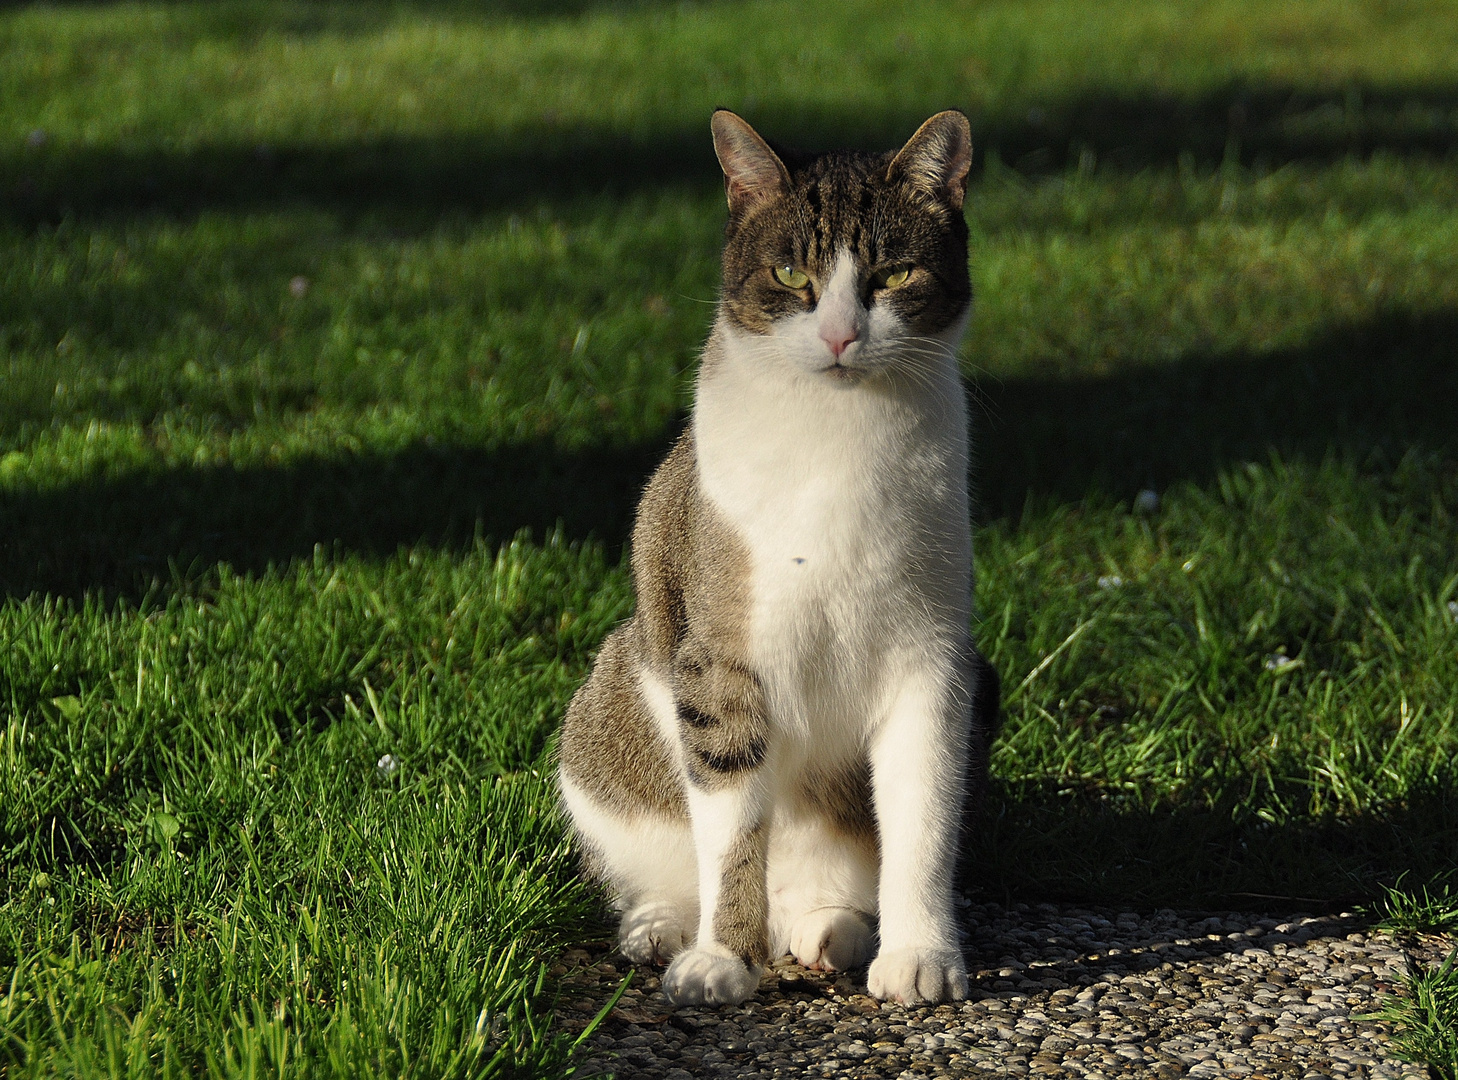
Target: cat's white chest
852, 504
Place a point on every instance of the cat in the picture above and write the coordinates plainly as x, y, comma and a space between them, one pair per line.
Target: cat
776, 748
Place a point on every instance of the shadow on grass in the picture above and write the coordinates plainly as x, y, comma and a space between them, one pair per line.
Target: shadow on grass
125, 537
1375, 389
1035, 844
413, 181
1368, 391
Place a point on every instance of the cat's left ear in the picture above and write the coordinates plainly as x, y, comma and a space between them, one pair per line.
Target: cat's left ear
937, 157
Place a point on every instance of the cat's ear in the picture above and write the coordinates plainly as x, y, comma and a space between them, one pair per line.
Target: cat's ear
752, 171
937, 157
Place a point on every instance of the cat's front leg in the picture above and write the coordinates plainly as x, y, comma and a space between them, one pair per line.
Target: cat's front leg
918, 761
725, 737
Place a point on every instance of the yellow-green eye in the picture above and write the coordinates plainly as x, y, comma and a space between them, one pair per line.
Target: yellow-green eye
791, 278
893, 278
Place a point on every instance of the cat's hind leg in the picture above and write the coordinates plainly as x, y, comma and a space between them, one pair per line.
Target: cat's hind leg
648, 862
625, 798
822, 890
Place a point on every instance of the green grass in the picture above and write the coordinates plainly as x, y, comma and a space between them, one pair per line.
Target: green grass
1425, 1015
1427, 909
1426, 1018
309, 310
207, 859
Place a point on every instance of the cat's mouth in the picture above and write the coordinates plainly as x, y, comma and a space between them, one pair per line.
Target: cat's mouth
842, 373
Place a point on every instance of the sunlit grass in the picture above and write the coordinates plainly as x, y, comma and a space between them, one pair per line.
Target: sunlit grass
344, 72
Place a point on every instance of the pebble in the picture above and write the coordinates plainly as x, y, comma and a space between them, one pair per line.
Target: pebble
1057, 991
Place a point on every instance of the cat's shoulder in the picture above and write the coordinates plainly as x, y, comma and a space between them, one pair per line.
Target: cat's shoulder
674, 485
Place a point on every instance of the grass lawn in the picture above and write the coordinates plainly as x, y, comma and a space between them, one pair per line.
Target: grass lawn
336, 340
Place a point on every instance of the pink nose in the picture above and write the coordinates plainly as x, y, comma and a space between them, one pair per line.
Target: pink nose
838, 338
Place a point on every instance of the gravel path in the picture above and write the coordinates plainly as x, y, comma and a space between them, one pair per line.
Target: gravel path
1056, 992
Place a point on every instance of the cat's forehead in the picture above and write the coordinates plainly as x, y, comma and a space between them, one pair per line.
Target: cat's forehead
844, 202
839, 186
839, 170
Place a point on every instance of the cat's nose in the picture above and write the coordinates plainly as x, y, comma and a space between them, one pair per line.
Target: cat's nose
838, 339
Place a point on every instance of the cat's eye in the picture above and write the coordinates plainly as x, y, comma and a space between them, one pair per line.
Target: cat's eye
894, 277
791, 278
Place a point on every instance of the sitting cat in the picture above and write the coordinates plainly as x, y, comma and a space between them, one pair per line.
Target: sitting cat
777, 746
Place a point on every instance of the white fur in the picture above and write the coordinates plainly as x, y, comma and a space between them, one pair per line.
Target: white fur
708, 976
658, 696
918, 975
812, 868
830, 939
840, 316
655, 931
846, 477
645, 858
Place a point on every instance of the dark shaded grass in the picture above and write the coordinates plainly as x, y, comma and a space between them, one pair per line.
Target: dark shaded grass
1368, 392
415, 180
141, 533
1046, 842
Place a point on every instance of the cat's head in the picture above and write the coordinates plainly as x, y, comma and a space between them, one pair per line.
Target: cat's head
850, 263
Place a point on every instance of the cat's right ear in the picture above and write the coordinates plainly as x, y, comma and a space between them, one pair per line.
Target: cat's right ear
752, 171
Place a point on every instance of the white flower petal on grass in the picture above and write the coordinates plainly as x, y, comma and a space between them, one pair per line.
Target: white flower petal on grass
1279, 662
298, 286
387, 766
1110, 581
1453, 609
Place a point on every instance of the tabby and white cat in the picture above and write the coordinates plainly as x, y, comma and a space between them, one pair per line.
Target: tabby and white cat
777, 747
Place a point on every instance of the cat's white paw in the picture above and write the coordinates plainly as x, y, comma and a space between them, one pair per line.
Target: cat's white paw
830, 939
653, 933
917, 976
706, 977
